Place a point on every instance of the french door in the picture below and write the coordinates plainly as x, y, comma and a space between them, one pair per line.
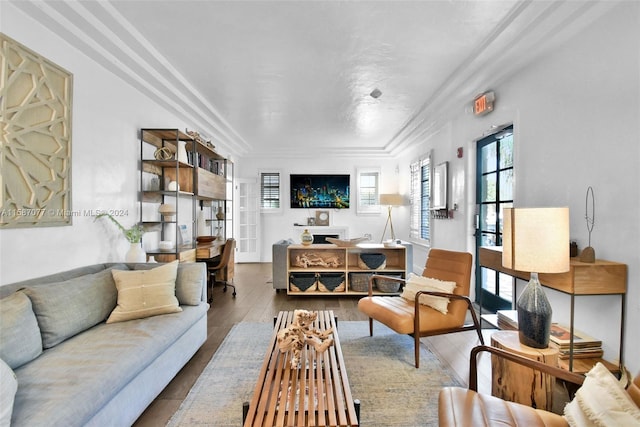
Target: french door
248, 222
494, 192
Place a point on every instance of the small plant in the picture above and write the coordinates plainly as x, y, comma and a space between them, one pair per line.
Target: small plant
133, 234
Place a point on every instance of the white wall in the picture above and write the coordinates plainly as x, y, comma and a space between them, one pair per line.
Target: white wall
576, 116
277, 226
107, 116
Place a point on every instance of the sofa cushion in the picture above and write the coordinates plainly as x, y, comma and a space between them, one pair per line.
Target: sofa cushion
145, 293
69, 383
19, 331
417, 283
602, 401
189, 285
8, 388
66, 308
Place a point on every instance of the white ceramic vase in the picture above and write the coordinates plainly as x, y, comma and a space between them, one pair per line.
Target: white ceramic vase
182, 152
135, 253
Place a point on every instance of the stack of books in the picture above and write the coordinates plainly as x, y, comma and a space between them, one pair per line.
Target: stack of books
508, 320
584, 346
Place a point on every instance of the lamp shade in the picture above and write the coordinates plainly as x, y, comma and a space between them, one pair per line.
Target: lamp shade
392, 200
536, 239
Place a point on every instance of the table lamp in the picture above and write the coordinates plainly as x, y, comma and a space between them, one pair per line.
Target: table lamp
535, 240
391, 200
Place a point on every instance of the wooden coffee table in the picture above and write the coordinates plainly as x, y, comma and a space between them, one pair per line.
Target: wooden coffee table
317, 394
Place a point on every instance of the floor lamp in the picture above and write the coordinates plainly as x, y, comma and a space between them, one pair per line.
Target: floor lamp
391, 200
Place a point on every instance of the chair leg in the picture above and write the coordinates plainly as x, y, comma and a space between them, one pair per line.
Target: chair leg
416, 339
370, 327
231, 285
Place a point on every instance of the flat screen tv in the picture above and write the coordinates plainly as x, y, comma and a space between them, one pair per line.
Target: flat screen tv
320, 191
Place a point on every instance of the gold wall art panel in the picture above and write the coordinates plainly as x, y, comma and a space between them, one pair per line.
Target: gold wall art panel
35, 156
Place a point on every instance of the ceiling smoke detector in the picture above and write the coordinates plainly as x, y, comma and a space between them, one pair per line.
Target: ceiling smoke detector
376, 93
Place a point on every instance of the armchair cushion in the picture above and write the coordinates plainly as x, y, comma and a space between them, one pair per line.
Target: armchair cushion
602, 401
418, 283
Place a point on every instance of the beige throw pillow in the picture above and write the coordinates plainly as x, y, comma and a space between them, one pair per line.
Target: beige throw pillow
601, 401
417, 283
145, 293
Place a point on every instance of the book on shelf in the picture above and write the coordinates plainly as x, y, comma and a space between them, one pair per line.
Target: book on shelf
561, 336
508, 319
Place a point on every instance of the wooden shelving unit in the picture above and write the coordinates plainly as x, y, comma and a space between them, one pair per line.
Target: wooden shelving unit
201, 181
583, 279
344, 261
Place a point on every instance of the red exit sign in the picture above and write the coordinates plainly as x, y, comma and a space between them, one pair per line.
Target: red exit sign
483, 103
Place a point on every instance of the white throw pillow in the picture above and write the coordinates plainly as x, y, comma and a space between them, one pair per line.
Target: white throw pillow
145, 293
601, 401
8, 388
417, 283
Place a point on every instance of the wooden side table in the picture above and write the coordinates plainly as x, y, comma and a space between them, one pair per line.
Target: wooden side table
518, 383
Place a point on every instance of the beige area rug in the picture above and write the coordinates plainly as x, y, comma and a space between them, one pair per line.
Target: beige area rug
381, 372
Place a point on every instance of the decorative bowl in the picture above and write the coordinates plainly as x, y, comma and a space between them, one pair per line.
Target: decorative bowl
165, 245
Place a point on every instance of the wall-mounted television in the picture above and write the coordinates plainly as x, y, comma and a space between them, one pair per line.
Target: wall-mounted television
320, 191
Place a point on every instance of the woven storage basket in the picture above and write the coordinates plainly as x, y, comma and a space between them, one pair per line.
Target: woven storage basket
372, 261
388, 286
359, 282
303, 282
331, 282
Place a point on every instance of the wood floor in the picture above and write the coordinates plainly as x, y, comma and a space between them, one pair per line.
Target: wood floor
257, 301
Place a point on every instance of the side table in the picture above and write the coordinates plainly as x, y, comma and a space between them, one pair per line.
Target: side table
517, 383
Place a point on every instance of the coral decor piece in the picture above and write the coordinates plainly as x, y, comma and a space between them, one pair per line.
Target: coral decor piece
307, 260
300, 333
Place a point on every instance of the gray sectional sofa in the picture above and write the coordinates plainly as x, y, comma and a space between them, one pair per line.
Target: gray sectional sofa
73, 368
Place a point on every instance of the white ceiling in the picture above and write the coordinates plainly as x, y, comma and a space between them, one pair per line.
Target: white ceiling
293, 78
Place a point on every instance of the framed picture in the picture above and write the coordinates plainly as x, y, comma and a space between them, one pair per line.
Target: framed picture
322, 217
184, 234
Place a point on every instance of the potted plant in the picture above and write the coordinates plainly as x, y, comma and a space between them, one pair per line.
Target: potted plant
133, 236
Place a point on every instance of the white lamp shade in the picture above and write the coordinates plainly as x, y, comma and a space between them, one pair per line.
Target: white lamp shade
536, 239
392, 200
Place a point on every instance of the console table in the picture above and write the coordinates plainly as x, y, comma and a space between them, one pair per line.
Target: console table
583, 279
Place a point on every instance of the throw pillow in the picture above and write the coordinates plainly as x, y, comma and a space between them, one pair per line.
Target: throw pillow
19, 331
145, 293
8, 389
601, 401
417, 283
64, 309
189, 285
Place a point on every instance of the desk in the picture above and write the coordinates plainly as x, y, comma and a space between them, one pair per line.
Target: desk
518, 383
317, 394
582, 279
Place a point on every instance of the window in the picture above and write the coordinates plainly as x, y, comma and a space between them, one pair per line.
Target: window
420, 220
270, 192
368, 191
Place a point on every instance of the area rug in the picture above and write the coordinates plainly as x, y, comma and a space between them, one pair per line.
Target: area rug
381, 373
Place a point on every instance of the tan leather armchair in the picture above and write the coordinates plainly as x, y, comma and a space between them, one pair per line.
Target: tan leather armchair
467, 408
419, 320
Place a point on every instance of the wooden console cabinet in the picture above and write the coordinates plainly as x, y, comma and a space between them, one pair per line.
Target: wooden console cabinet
583, 279
328, 259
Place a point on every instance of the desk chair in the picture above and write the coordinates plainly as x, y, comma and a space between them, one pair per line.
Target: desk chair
224, 266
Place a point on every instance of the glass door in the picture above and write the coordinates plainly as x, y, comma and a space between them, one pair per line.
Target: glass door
494, 192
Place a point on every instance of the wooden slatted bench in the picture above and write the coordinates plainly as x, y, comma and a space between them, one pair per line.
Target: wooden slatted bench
316, 394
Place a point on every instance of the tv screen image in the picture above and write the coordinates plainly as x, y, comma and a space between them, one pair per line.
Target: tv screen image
320, 191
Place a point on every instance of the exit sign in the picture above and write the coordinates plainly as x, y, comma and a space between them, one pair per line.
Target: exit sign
483, 103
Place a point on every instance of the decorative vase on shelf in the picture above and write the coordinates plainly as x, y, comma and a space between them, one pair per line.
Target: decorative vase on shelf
182, 152
534, 315
306, 237
220, 213
135, 253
